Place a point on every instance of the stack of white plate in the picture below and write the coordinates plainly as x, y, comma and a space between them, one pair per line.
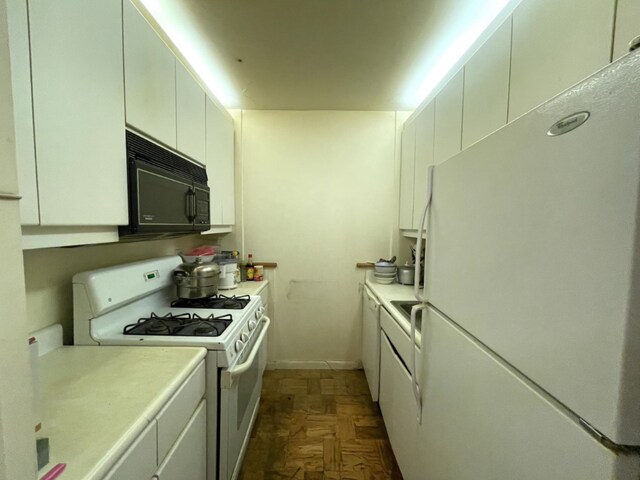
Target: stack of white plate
385, 272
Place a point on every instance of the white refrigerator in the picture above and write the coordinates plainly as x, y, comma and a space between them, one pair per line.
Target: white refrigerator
531, 337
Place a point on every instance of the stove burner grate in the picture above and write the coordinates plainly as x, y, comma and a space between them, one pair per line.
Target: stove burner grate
184, 324
221, 302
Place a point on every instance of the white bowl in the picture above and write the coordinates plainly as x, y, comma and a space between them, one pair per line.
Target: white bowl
193, 258
385, 268
384, 275
385, 281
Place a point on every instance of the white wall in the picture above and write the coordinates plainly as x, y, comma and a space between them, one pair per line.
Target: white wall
317, 197
49, 272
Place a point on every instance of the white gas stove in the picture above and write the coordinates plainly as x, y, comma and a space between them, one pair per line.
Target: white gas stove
135, 304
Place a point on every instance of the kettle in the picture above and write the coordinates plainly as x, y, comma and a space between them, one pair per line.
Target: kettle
197, 279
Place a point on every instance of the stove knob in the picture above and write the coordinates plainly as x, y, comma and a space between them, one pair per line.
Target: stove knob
239, 345
258, 315
244, 337
252, 324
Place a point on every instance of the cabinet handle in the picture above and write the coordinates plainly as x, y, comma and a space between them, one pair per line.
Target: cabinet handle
9, 196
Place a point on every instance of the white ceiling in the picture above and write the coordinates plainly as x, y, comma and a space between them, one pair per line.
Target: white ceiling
315, 54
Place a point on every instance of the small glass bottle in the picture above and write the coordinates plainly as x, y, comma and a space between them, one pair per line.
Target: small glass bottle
250, 269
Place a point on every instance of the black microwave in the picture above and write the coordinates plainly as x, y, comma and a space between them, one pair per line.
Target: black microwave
168, 194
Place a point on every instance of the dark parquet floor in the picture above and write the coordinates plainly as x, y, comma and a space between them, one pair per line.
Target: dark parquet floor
318, 425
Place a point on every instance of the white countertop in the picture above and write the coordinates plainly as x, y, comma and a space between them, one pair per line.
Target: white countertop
97, 400
246, 288
394, 291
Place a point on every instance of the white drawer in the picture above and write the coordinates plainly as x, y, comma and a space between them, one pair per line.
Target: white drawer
187, 459
140, 460
178, 410
399, 410
400, 341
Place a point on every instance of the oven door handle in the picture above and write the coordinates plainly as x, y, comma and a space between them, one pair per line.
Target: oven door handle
231, 373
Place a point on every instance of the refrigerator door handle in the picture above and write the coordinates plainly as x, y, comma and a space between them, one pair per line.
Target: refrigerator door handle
414, 375
427, 204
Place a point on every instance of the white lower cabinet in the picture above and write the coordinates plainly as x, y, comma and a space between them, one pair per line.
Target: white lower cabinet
399, 410
176, 439
371, 341
140, 460
187, 459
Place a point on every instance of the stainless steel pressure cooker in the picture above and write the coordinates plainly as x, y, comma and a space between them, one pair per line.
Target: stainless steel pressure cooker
406, 274
197, 280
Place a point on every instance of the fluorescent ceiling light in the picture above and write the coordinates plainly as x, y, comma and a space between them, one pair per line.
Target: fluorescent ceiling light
177, 25
465, 27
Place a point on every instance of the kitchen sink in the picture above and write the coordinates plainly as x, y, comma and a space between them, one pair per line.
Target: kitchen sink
404, 307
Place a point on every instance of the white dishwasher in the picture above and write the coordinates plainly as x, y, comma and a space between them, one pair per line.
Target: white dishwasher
371, 341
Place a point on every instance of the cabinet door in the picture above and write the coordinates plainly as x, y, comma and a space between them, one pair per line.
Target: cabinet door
78, 109
486, 87
556, 44
176, 413
187, 459
150, 79
18, 23
140, 460
448, 128
423, 158
220, 164
371, 341
627, 26
191, 115
407, 164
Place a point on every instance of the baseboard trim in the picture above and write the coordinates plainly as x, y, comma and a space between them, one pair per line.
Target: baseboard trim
314, 365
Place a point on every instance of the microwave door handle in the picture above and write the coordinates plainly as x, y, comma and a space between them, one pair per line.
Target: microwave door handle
194, 199
190, 204
229, 374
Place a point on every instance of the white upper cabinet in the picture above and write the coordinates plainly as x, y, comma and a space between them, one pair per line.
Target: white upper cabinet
190, 99
627, 26
78, 109
424, 131
220, 164
448, 128
556, 44
150, 79
486, 87
407, 165
25, 154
